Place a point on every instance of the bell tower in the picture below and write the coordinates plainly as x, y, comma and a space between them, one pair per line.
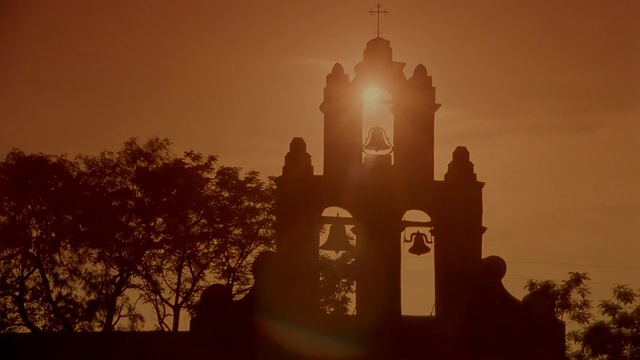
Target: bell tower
413, 107
414, 128
377, 181
342, 126
377, 174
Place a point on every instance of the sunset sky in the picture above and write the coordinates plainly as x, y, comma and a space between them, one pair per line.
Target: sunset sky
545, 94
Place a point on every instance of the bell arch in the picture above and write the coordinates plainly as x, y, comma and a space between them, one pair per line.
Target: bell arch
417, 271
377, 105
336, 256
335, 215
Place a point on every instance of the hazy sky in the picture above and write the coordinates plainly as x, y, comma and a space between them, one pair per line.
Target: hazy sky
545, 94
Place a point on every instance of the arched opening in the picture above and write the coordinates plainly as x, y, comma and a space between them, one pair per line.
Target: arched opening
337, 262
376, 112
417, 277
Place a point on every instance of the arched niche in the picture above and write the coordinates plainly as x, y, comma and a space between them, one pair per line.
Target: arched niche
337, 269
337, 213
376, 111
417, 272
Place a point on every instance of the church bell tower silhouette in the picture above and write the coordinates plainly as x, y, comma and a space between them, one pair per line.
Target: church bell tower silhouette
377, 189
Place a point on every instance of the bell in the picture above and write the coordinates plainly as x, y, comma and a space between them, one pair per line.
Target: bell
419, 246
376, 140
337, 240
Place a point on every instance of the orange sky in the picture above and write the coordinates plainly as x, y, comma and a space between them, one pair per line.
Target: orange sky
545, 94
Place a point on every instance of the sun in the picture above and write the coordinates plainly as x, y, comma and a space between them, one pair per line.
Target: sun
372, 94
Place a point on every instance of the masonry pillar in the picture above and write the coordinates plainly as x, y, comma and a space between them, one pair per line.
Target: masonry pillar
297, 229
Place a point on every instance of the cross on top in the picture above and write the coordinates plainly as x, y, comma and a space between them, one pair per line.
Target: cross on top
378, 11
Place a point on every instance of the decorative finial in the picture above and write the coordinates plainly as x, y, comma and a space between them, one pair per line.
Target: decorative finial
378, 11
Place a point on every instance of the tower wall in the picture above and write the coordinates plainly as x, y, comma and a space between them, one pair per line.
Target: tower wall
414, 130
378, 292
342, 128
296, 294
378, 192
458, 238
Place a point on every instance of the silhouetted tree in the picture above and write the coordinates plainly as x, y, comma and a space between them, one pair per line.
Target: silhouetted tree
614, 336
571, 296
38, 209
121, 225
244, 227
337, 282
617, 335
572, 303
82, 242
9, 319
174, 271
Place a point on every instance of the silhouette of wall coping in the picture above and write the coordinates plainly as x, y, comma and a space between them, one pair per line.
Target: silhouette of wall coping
413, 337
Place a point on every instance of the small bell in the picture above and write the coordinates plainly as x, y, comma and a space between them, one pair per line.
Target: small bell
420, 242
338, 239
376, 140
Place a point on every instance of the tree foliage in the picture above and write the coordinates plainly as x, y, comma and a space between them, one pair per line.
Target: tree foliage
609, 332
337, 282
571, 296
245, 225
84, 243
37, 211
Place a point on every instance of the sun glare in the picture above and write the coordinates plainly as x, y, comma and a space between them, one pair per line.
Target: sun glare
372, 94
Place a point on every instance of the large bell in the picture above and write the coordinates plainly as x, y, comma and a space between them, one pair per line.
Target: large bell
376, 141
420, 241
338, 239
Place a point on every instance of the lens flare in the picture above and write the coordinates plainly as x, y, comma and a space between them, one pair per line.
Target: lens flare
372, 94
